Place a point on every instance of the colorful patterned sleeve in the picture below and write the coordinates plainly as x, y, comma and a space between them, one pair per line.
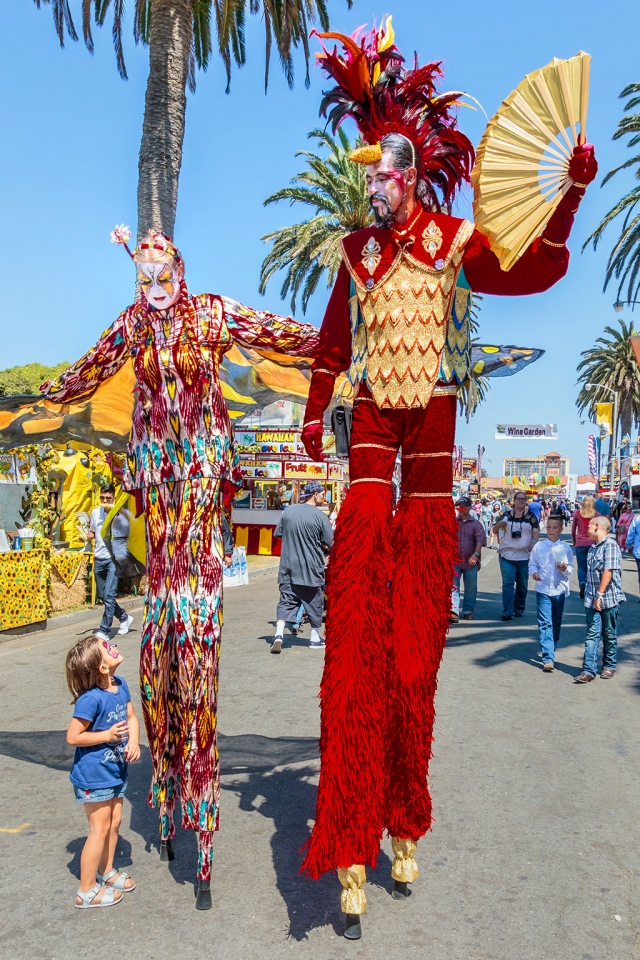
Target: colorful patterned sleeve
268, 331
79, 381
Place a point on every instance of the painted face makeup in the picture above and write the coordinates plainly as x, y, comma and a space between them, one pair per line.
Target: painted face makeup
111, 649
386, 187
160, 284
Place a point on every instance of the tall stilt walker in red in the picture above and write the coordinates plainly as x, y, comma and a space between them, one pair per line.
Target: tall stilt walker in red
398, 321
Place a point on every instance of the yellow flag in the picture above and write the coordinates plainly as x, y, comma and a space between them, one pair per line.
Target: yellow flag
604, 416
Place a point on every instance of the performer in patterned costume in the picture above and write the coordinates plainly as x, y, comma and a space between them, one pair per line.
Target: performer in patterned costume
180, 456
398, 321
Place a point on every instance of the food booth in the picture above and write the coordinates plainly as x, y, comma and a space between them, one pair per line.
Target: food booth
275, 468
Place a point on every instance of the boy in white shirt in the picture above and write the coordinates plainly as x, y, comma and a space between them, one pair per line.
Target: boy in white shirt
551, 565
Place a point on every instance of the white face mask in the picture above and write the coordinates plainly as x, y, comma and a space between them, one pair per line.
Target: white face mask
160, 284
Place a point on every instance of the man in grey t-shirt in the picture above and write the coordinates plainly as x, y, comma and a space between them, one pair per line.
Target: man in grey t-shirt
306, 538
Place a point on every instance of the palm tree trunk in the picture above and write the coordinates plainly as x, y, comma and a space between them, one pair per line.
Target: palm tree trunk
170, 33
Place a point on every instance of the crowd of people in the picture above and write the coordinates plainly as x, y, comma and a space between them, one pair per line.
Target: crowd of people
599, 535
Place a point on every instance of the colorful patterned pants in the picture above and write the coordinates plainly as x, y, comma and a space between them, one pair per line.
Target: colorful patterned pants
388, 604
179, 655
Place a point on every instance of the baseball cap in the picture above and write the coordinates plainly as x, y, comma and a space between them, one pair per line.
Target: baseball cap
314, 486
464, 502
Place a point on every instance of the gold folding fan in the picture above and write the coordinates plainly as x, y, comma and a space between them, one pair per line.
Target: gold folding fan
522, 163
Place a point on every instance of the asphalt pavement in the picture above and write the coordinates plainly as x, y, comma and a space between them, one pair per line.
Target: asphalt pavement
535, 783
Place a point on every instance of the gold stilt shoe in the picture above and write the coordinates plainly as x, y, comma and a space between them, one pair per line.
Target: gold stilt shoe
404, 868
353, 899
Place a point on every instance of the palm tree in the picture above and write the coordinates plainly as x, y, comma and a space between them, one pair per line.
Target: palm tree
334, 188
611, 364
179, 36
624, 260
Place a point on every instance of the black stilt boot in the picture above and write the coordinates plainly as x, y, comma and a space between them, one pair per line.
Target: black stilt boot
353, 929
203, 898
166, 851
400, 890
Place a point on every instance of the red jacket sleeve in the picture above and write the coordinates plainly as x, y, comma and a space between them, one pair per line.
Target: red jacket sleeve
544, 263
334, 353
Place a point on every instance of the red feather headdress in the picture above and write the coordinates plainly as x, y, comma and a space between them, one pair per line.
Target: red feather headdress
375, 90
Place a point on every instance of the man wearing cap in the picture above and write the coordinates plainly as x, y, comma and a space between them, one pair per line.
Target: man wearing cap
306, 538
471, 540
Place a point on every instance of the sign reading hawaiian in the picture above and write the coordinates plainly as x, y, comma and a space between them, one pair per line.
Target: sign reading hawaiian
526, 431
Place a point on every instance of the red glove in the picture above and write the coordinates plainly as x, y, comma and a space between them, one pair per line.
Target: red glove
312, 440
583, 166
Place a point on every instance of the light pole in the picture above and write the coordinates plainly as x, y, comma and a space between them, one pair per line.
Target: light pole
614, 430
619, 305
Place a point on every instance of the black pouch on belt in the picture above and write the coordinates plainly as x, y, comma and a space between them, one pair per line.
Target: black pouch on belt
341, 427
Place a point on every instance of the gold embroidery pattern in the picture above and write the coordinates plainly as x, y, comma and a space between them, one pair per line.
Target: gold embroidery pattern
406, 319
371, 255
432, 238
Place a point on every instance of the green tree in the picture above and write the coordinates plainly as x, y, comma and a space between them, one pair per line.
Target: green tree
611, 364
335, 190
26, 380
179, 34
624, 259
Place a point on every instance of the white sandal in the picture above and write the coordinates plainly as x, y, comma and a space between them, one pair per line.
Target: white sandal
118, 884
108, 898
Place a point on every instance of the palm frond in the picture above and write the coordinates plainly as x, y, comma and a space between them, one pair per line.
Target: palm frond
610, 365
286, 23
334, 189
624, 260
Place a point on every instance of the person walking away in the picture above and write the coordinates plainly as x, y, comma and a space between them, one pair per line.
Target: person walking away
496, 515
632, 542
603, 507
485, 518
104, 568
580, 538
306, 539
521, 532
550, 565
623, 524
105, 732
602, 600
536, 508
471, 540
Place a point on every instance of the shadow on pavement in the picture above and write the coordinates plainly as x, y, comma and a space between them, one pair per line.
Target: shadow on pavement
288, 799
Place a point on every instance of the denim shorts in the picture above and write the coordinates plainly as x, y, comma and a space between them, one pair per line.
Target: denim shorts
101, 795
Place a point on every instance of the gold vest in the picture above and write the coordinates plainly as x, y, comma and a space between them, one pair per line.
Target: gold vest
408, 327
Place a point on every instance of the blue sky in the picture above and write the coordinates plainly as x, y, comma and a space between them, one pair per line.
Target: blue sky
68, 172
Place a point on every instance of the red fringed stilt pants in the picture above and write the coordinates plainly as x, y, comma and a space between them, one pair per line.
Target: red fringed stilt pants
389, 596
179, 655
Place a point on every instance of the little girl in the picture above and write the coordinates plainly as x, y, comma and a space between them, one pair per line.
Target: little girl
105, 732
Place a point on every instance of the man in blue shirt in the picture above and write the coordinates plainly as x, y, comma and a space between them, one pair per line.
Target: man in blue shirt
536, 508
633, 541
602, 506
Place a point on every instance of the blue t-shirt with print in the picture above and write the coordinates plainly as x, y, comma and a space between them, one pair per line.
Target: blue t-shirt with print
102, 765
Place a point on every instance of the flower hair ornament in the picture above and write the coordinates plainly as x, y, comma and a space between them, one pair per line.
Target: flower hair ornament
374, 89
154, 241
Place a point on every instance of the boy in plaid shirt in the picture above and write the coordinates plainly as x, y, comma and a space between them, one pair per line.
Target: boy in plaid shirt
603, 596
